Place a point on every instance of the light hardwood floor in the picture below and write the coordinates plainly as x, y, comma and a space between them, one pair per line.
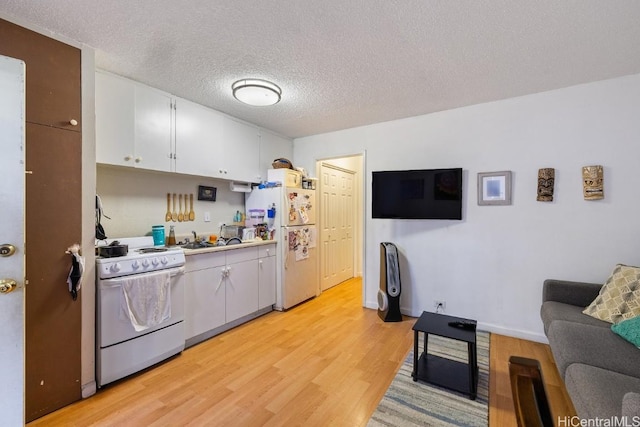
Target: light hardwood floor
326, 362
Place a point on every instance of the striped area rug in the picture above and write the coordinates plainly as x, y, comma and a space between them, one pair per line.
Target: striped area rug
409, 403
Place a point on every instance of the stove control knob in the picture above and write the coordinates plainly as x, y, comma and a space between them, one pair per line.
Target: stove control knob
164, 260
135, 264
116, 267
154, 261
145, 263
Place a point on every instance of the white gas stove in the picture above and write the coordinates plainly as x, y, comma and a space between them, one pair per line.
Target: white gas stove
142, 257
122, 347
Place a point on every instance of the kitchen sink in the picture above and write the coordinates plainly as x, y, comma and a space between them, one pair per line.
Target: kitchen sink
220, 242
198, 245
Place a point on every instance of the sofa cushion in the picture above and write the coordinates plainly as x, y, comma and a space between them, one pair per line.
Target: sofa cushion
619, 298
592, 345
629, 330
599, 393
552, 310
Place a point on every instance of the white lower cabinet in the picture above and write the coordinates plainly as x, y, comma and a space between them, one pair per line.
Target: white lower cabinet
205, 299
222, 287
241, 283
267, 276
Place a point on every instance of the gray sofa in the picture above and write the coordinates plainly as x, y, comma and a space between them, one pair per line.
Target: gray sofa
601, 370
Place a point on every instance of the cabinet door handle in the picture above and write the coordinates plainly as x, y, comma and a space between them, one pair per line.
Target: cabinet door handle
220, 282
127, 158
73, 122
138, 159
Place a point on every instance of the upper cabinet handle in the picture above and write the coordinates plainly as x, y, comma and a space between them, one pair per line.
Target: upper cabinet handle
73, 122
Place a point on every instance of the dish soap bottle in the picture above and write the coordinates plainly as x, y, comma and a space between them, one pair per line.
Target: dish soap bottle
171, 241
237, 217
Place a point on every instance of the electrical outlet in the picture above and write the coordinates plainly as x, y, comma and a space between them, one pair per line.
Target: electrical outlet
439, 305
207, 217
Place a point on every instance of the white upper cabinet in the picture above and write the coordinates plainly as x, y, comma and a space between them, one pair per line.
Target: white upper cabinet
241, 152
273, 147
199, 149
139, 126
134, 124
154, 129
115, 113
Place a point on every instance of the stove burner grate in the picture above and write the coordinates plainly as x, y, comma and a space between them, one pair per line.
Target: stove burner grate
151, 250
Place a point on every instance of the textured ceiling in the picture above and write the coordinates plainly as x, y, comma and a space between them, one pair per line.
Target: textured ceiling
346, 63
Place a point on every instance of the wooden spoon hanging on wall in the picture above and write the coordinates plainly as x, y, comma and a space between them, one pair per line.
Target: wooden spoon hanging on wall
174, 214
167, 216
192, 214
180, 216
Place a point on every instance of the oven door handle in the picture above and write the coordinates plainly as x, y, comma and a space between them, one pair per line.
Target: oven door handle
117, 281
177, 271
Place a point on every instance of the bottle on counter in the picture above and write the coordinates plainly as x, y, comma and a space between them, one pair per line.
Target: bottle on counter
171, 241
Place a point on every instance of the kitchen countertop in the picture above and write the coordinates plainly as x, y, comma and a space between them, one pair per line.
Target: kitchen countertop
246, 244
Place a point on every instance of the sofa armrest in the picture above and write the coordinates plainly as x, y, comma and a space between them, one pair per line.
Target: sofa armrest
574, 293
631, 405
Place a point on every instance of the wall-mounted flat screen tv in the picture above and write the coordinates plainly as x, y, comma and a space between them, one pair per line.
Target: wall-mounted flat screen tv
417, 194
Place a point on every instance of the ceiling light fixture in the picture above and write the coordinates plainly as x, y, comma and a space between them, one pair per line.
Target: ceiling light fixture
259, 93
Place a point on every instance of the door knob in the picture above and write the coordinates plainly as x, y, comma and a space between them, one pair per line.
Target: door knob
7, 285
7, 249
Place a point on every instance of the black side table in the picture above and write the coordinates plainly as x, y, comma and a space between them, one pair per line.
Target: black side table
451, 374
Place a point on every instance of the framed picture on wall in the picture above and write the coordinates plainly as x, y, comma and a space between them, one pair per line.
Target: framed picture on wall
494, 188
207, 193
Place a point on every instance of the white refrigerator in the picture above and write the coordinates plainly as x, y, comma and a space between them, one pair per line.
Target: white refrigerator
297, 267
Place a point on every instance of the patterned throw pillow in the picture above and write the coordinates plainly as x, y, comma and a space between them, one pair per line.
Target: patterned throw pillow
629, 330
619, 298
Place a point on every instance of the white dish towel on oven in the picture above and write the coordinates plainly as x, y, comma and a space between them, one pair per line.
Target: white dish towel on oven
147, 299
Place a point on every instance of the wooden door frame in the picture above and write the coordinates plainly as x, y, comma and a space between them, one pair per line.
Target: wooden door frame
87, 125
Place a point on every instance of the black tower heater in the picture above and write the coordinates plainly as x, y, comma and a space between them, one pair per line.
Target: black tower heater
389, 293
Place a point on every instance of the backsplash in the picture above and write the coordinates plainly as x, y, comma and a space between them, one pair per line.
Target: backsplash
135, 200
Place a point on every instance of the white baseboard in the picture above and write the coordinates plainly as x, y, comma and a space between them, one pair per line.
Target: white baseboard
516, 333
496, 329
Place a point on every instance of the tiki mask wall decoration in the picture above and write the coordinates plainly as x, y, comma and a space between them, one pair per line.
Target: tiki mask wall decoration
593, 182
546, 180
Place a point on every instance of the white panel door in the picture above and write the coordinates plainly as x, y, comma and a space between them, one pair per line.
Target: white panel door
336, 225
346, 211
12, 143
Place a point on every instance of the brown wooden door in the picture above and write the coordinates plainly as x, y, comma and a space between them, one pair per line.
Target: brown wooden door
53, 76
52, 217
53, 319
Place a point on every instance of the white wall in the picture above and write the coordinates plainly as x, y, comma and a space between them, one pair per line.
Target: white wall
137, 199
490, 266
